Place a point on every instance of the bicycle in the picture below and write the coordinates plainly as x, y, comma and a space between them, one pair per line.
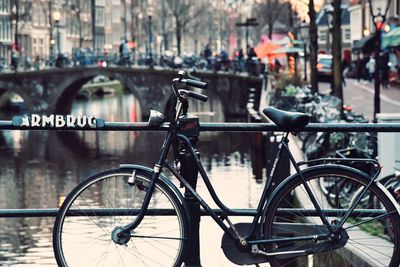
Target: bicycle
136, 216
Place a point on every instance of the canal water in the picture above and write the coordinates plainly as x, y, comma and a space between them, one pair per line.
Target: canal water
38, 169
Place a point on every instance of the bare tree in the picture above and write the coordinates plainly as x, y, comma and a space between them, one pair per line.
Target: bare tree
337, 49
164, 22
78, 9
21, 12
183, 12
268, 12
47, 10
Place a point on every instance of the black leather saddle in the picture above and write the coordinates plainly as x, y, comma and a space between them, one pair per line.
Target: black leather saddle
287, 120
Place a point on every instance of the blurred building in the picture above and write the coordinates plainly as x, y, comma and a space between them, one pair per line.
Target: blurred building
39, 32
362, 27
324, 24
6, 38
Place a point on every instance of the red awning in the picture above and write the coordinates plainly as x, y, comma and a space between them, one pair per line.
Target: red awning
266, 50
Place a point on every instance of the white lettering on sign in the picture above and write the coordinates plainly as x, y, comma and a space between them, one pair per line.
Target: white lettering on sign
47, 120
59, 121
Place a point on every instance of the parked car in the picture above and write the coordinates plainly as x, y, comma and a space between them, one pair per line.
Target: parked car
324, 67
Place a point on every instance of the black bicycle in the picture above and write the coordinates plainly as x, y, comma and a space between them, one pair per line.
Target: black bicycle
136, 216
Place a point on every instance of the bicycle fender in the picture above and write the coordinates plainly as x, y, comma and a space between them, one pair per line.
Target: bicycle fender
163, 179
390, 196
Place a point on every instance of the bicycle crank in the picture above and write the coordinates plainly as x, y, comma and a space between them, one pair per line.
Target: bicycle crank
238, 254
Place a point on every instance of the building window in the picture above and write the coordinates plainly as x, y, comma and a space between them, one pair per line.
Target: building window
115, 16
100, 16
347, 35
2, 30
322, 36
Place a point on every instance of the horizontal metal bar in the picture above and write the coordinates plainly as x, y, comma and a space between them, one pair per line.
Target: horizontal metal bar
223, 126
312, 127
331, 212
17, 213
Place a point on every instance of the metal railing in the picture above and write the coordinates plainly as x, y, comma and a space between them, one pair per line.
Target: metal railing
102, 125
193, 259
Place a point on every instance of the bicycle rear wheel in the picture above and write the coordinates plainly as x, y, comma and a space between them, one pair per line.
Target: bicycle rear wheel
371, 233
89, 219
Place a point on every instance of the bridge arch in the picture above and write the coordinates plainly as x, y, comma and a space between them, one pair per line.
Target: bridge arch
15, 88
68, 89
53, 90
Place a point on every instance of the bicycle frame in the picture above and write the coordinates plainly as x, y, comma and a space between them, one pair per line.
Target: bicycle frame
173, 134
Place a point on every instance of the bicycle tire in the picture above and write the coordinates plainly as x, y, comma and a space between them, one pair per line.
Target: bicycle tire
85, 239
361, 248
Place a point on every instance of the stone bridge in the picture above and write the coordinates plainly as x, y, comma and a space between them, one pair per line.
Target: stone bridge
53, 91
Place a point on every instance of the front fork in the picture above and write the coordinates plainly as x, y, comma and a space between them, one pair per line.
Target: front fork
121, 234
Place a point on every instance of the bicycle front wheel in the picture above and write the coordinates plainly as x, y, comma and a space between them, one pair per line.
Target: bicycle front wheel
370, 236
88, 223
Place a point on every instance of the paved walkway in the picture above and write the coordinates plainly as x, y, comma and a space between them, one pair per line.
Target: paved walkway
360, 95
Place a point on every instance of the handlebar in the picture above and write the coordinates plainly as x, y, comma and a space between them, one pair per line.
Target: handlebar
194, 95
178, 82
195, 83
197, 96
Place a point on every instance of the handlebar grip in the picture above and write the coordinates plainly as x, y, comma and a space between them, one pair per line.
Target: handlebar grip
198, 96
195, 83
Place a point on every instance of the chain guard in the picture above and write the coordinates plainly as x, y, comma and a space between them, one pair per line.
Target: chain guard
238, 254
243, 255
319, 247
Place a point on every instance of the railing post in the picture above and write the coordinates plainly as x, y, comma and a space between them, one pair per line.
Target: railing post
189, 171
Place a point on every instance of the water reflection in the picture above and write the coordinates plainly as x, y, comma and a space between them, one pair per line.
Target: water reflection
40, 168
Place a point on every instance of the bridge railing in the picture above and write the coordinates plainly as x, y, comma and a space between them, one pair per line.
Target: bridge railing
101, 125
65, 123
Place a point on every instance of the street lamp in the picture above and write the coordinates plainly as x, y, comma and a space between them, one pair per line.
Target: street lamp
57, 18
150, 14
304, 29
378, 19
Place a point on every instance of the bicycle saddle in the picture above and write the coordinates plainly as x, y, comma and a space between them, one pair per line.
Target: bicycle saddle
286, 119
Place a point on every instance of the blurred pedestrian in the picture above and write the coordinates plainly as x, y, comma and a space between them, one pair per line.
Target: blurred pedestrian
223, 54
277, 65
207, 53
27, 63
384, 69
251, 53
344, 68
240, 54
124, 52
36, 63
14, 61
371, 67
